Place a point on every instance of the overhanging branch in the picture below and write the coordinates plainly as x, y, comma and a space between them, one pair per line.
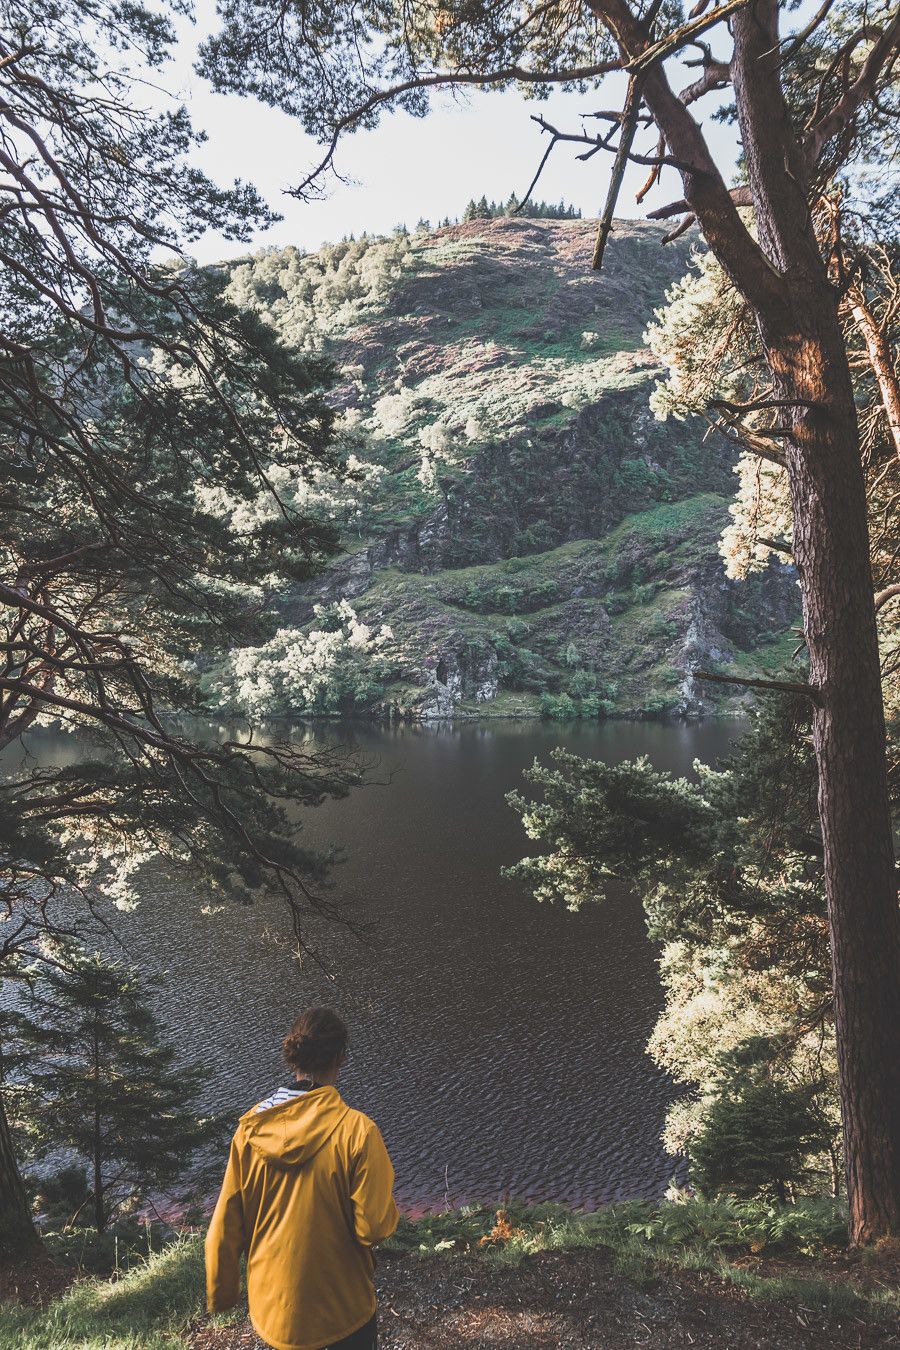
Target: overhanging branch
782, 686
442, 80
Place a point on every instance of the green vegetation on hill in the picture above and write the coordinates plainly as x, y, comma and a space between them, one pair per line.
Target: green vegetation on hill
520, 521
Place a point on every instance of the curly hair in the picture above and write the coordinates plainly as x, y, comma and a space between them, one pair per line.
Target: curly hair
315, 1041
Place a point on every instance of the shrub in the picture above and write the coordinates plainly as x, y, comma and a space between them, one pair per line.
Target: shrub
582, 684
760, 1135
558, 708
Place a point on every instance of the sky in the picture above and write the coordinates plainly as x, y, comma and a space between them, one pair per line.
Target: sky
406, 168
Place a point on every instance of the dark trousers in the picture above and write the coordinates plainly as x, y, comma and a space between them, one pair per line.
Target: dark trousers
364, 1339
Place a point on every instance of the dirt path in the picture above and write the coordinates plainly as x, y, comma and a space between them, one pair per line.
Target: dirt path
579, 1300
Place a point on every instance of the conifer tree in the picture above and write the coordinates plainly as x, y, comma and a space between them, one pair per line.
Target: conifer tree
760, 1131
148, 432
86, 1070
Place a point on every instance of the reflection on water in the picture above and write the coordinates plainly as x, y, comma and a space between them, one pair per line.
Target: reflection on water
498, 1042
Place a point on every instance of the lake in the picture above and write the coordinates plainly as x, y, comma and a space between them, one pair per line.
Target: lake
498, 1043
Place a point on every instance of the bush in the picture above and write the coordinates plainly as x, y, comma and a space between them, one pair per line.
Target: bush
582, 684
558, 708
759, 1136
635, 477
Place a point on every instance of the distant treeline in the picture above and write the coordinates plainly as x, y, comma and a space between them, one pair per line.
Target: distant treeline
485, 210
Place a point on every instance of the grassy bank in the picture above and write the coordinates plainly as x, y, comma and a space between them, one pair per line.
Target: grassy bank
792, 1256
148, 1308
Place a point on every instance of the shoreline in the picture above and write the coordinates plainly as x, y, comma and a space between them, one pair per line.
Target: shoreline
468, 718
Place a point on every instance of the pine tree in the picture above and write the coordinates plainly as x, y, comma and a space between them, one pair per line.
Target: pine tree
86, 1070
138, 409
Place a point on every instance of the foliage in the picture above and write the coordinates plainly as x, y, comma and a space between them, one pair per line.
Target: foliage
558, 708
311, 297
685, 1227
730, 870
760, 1131
511, 598
705, 338
153, 1303
150, 1307
86, 1071
156, 448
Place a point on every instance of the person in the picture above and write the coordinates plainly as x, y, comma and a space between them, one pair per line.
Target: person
308, 1193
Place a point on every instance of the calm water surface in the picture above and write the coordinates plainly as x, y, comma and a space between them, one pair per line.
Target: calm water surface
498, 1043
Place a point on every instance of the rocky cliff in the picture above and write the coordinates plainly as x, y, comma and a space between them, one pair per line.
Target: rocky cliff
534, 538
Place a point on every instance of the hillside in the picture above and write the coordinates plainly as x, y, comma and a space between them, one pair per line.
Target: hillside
522, 523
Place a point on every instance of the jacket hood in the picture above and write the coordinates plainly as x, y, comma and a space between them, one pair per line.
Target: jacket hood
294, 1132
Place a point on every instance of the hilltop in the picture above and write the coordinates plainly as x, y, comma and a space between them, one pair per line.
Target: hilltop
522, 523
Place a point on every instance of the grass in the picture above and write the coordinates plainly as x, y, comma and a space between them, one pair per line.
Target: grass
152, 1306
768, 657
635, 1226
147, 1309
713, 1236
666, 519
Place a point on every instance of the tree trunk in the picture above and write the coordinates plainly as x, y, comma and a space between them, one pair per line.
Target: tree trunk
831, 551
99, 1207
18, 1235
782, 276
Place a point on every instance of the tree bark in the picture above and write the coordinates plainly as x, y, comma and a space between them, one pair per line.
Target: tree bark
18, 1236
807, 357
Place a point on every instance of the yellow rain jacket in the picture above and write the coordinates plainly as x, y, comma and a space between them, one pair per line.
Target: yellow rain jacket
307, 1194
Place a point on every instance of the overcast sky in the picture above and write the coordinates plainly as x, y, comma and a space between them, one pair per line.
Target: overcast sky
406, 168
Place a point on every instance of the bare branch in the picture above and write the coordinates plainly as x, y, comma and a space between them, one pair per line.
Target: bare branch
782, 686
444, 79
681, 228
739, 195
775, 545
626, 140
889, 593
882, 53
683, 35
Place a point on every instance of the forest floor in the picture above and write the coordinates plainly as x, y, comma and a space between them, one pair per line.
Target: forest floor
584, 1299
612, 1280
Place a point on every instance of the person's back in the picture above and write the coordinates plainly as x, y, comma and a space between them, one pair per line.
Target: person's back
307, 1194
